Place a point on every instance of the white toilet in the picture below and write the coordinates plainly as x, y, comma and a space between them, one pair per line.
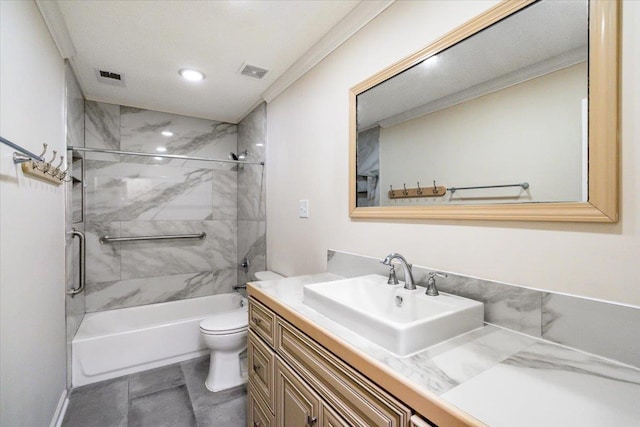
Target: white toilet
225, 334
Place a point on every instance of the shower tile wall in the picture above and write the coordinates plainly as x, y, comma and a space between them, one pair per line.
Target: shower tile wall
138, 196
252, 136
74, 306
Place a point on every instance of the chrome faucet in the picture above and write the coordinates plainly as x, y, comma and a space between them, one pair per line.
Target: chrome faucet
432, 290
408, 275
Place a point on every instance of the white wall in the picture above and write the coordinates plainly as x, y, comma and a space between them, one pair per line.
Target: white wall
505, 137
308, 158
32, 326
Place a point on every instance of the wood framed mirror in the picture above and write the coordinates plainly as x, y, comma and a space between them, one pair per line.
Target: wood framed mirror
589, 194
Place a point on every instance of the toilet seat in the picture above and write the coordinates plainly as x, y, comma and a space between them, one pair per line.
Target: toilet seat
229, 322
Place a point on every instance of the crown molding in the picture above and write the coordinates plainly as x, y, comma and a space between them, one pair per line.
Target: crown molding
57, 27
360, 16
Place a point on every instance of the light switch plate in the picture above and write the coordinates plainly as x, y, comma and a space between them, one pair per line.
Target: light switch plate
303, 209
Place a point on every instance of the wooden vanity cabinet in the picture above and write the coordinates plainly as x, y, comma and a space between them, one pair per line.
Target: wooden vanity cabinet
299, 383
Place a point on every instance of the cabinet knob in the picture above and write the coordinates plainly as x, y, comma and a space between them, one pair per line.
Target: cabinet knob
256, 320
257, 424
311, 420
256, 368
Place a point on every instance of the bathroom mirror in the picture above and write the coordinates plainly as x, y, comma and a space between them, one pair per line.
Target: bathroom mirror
512, 116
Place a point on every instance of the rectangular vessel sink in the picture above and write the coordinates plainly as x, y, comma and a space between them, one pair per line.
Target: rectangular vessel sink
400, 320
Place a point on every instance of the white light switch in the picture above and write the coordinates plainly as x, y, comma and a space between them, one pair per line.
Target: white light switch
303, 209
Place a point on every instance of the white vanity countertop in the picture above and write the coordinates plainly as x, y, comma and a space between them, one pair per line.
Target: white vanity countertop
500, 377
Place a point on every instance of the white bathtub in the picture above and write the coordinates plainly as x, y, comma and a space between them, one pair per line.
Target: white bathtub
118, 342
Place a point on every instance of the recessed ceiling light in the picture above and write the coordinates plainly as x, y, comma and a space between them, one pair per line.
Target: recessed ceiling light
259, 144
191, 74
166, 133
161, 149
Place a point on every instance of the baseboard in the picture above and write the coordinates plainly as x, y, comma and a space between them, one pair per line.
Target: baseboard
58, 415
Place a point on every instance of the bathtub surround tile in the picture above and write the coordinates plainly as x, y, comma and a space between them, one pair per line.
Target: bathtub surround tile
158, 258
102, 129
98, 405
102, 125
141, 132
134, 292
252, 246
103, 259
225, 194
154, 196
131, 191
221, 242
154, 380
252, 133
251, 193
224, 280
166, 408
594, 326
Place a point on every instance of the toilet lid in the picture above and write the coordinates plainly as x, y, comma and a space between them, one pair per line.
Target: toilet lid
226, 321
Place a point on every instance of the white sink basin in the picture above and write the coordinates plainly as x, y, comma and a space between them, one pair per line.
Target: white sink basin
400, 320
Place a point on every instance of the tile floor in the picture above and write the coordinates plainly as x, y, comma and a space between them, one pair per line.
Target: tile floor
171, 396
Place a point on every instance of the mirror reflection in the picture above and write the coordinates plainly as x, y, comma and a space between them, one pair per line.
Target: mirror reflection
500, 117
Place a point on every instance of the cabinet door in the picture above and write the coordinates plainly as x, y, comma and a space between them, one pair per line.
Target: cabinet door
260, 363
297, 405
330, 419
258, 414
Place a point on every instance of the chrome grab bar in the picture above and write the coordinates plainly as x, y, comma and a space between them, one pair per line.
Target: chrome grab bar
83, 252
524, 185
107, 239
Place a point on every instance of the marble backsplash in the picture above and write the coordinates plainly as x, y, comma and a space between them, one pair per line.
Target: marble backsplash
139, 196
602, 328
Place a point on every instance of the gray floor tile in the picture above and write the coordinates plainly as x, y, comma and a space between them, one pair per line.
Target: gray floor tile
232, 413
166, 408
154, 380
98, 405
195, 372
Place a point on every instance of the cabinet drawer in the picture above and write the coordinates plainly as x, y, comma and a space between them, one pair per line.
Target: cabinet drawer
259, 415
260, 362
298, 405
262, 321
416, 421
356, 399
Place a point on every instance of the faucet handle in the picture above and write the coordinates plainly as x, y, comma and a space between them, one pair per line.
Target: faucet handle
393, 280
432, 289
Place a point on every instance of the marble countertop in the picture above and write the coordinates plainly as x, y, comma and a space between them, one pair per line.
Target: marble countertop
500, 377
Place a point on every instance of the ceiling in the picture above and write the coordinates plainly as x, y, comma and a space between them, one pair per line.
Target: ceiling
149, 41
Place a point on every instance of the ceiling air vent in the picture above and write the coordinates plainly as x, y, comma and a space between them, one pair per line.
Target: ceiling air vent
110, 78
253, 71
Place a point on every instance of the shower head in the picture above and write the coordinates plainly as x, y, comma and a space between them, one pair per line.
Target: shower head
240, 156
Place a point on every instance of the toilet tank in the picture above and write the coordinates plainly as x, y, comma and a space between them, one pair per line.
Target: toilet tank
267, 275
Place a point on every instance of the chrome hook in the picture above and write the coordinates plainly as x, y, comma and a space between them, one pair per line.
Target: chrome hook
56, 170
405, 192
44, 149
419, 189
393, 193
435, 188
62, 173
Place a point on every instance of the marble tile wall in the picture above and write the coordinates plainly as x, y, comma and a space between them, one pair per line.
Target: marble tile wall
74, 306
599, 327
252, 136
139, 196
